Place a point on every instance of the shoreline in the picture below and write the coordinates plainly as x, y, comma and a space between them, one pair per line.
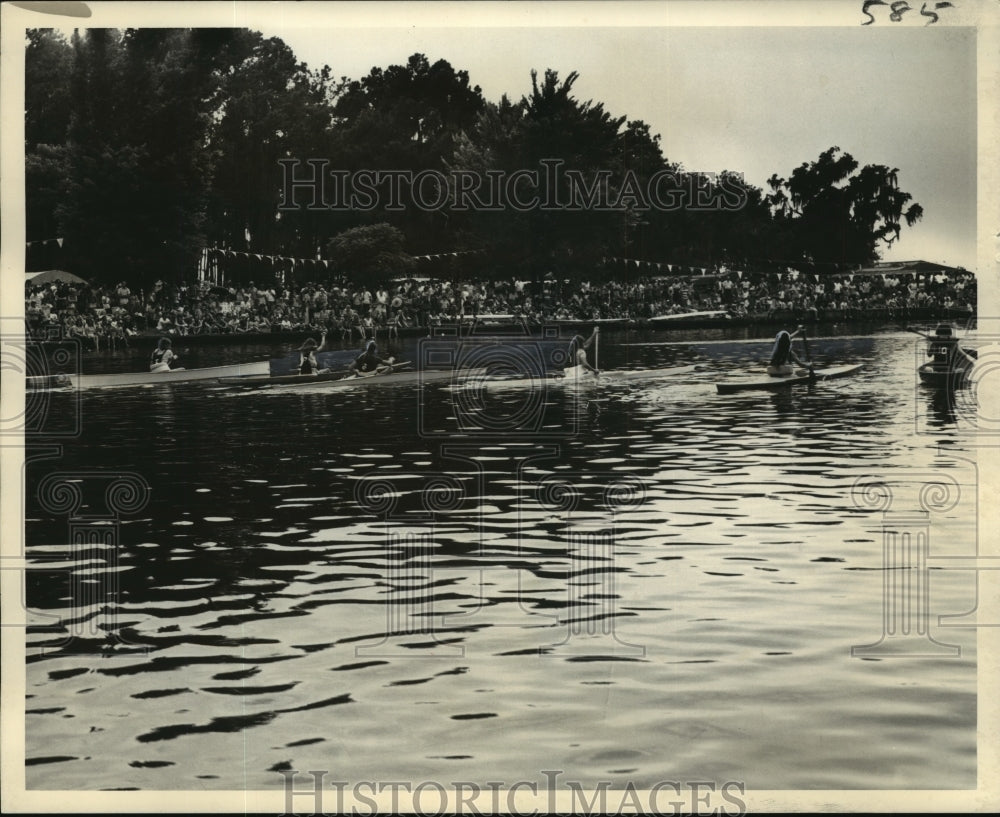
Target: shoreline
485, 326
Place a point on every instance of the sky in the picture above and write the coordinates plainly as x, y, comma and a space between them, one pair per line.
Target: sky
763, 97
754, 100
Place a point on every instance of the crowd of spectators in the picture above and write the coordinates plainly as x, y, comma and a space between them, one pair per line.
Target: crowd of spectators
109, 316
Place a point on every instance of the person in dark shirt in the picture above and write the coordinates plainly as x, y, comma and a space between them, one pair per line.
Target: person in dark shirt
368, 362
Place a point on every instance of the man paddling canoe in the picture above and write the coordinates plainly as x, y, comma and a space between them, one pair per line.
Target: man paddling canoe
369, 361
782, 354
578, 350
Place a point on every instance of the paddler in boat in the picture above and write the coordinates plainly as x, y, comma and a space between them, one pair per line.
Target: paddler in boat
578, 350
308, 364
369, 361
942, 346
162, 356
783, 354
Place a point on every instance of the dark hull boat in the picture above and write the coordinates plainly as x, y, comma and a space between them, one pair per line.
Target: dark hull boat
951, 365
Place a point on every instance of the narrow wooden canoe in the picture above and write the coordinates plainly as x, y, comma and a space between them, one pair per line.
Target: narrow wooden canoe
801, 376
337, 380
578, 377
940, 378
264, 380
118, 379
268, 380
680, 316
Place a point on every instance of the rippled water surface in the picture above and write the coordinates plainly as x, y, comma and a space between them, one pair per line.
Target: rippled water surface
637, 581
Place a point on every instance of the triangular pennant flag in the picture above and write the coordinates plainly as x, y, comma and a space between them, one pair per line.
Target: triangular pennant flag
59, 241
326, 264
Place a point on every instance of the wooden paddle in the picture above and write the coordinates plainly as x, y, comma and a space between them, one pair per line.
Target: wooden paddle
382, 370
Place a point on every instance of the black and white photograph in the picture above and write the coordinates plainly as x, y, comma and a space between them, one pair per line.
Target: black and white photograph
467, 408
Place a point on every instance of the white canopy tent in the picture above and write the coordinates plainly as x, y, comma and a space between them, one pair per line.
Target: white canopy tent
52, 275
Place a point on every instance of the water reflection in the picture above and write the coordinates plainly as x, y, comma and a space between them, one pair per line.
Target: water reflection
940, 407
379, 579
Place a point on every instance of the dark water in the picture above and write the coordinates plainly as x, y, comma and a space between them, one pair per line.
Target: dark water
638, 581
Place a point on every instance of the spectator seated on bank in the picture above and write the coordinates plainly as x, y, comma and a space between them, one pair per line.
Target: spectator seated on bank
114, 314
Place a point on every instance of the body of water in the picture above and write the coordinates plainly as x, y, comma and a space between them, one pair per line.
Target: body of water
636, 581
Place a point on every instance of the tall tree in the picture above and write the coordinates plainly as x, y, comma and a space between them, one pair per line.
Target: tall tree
103, 186
647, 225
585, 138
48, 64
369, 254
48, 61
137, 167
407, 118
411, 113
273, 108
829, 211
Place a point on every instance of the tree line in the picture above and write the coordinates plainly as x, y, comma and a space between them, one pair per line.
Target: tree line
145, 146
